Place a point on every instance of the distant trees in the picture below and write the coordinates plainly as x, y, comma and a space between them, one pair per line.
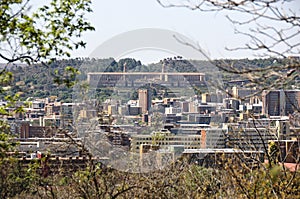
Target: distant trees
126, 64
53, 79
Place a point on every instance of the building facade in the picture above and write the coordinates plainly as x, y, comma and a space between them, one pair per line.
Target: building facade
144, 100
280, 102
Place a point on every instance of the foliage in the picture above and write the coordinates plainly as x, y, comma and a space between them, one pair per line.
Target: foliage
127, 64
179, 180
32, 34
56, 78
14, 179
52, 29
68, 78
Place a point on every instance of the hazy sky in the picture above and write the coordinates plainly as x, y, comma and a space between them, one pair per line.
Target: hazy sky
212, 31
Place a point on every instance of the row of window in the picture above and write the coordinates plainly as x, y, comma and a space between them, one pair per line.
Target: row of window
186, 147
198, 138
172, 143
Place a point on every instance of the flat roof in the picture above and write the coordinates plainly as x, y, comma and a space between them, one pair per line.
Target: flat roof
143, 73
201, 151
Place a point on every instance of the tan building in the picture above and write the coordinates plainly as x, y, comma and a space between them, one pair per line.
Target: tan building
144, 100
165, 139
241, 93
136, 79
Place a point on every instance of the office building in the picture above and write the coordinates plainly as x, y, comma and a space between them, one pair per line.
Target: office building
280, 102
144, 100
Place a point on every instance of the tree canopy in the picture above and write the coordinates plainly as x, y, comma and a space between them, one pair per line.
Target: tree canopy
30, 33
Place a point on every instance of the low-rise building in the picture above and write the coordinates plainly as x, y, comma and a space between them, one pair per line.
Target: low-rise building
250, 138
164, 139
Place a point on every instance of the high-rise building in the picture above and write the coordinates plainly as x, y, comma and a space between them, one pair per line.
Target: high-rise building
66, 115
280, 102
144, 100
292, 100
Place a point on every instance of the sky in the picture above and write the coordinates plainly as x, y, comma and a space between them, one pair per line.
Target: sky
211, 31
